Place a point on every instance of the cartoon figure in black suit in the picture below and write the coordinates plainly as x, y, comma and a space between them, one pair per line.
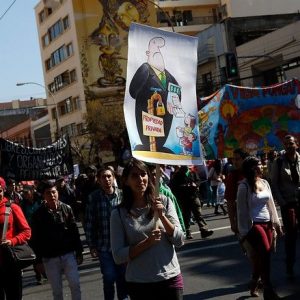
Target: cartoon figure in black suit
153, 80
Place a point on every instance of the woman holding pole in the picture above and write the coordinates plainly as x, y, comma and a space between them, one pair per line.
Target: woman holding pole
144, 231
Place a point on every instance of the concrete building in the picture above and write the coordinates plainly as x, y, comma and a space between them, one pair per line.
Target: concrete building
187, 16
84, 54
25, 122
271, 58
240, 23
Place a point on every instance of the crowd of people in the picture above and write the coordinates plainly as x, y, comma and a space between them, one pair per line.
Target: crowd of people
133, 230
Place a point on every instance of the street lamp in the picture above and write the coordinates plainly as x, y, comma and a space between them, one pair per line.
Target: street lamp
53, 98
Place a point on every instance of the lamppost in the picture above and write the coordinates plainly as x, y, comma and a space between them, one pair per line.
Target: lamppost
54, 102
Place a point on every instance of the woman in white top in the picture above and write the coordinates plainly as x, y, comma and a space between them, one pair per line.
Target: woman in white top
257, 221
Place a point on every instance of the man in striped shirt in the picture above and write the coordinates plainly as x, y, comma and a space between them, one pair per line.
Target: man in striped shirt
97, 229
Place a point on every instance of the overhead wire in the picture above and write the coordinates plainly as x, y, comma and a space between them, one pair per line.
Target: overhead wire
2, 16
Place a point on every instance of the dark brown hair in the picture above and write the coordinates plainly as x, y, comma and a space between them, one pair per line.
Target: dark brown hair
149, 195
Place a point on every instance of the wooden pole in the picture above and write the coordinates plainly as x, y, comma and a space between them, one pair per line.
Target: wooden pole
157, 184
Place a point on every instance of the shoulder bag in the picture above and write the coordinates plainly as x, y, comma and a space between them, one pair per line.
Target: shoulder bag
22, 256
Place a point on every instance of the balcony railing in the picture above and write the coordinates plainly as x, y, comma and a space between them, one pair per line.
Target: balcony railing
195, 21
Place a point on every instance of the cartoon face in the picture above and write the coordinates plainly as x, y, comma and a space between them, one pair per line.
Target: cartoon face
190, 121
128, 13
155, 57
106, 36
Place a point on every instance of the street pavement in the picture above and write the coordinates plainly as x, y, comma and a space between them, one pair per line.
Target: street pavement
213, 268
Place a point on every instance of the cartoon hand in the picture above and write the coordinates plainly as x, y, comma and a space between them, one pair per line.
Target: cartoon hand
173, 102
176, 101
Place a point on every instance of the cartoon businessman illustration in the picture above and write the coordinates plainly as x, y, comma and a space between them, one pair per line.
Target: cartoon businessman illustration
153, 85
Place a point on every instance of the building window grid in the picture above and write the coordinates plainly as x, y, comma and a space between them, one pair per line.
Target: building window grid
70, 129
62, 80
56, 30
59, 56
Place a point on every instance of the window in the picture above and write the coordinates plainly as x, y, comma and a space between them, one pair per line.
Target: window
49, 11
66, 22
70, 129
45, 40
80, 128
42, 16
69, 49
60, 81
76, 103
53, 113
207, 83
68, 104
73, 76
55, 30
48, 64
58, 56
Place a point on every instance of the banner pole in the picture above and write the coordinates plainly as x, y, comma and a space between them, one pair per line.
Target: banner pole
157, 183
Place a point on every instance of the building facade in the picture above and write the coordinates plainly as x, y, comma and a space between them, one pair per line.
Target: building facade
239, 23
25, 122
84, 54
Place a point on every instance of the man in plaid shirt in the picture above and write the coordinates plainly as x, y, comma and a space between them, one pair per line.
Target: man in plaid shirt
97, 229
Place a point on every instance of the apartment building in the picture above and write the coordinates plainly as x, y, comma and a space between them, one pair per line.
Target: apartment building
240, 22
25, 122
83, 47
187, 16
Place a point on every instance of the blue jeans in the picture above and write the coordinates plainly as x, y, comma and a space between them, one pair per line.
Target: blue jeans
111, 274
55, 267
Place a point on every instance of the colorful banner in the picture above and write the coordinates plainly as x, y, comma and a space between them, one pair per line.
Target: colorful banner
160, 104
25, 163
255, 119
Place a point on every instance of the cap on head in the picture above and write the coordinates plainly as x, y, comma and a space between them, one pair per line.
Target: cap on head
2, 183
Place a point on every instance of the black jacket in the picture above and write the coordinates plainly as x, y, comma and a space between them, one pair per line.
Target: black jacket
55, 233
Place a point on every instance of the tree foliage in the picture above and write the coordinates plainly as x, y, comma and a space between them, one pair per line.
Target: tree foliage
104, 120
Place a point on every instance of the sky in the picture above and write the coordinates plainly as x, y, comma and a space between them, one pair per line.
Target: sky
20, 59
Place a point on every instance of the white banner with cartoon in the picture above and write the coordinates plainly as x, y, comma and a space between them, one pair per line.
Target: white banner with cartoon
160, 104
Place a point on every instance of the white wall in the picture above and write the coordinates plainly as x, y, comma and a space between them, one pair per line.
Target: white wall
246, 8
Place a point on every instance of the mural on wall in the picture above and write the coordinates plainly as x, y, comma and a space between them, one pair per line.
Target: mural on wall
103, 42
255, 119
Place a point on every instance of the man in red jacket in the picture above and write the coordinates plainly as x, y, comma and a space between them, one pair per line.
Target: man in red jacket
18, 232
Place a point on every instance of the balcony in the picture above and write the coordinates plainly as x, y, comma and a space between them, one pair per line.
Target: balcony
185, 3
195, 25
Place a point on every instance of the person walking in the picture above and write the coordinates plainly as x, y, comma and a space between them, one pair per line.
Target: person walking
232, 180
216, 177
18, 232
285, 181
56, 242
97, 229
184, 186
257, 223
31, 201
144, 231
11, 192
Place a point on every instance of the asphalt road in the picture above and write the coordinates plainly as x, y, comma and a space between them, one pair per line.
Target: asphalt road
213, 268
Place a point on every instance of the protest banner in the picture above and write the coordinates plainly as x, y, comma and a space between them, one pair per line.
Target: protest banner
26, 163
160, 104
254, 119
